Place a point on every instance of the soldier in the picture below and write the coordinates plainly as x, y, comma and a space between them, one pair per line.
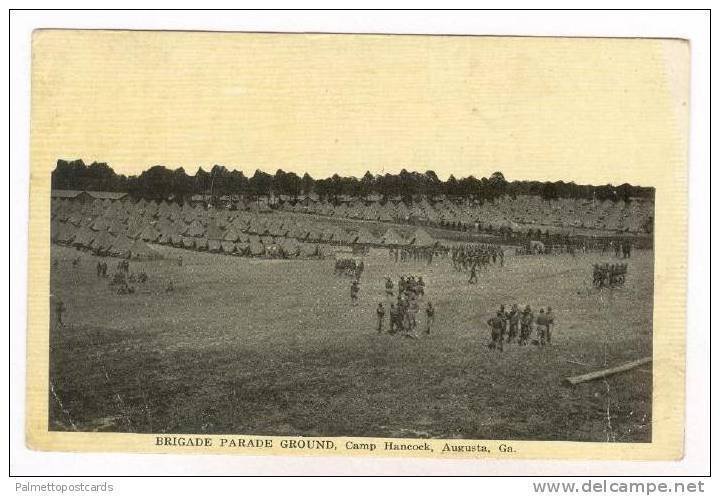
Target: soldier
421, 286
550, 321
497, 324
99, 269
388, 287
354, 289
413, 310
542, 326
514, 321
59, 311
526, 322
380, 317
104, 269
505, 317
393, 319
180, 261
430, 316
473, 275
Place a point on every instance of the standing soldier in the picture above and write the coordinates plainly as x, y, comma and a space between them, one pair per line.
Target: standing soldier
497, 324
180, 261
550, 321
473, 275
514, 321
388, 286
59, 311
526, 322
413, 310
421, 286
354, 289
430, 316
542, 327
380, 317
393, 319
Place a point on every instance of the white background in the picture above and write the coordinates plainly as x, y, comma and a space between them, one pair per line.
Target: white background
23, 462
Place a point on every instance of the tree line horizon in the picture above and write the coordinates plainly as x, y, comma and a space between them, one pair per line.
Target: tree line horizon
160, 183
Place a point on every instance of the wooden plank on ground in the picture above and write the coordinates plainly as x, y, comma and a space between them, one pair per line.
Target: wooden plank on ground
599, 374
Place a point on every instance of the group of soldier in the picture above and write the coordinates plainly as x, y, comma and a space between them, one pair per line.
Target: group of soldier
403, 318
350, 267
609, 275
472, 256
415, 254
622, 248
548, 249
518, 325
407, 285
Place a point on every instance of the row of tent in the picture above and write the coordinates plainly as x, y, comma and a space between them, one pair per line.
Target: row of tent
105, 243
516, 213
115, 233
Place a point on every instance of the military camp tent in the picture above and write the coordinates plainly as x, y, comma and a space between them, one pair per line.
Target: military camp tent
421, 238
256, 248
363, 237
290, 246
392, 238
121, 246
227, 247
214, 246
140, 249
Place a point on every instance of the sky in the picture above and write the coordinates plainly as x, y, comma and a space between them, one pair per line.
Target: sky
586, 110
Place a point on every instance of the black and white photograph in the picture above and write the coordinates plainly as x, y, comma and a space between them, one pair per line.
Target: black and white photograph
429, 238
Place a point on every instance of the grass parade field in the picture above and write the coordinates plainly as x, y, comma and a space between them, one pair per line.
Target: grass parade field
274, 347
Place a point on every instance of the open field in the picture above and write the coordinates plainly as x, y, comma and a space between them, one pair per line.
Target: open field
251, 346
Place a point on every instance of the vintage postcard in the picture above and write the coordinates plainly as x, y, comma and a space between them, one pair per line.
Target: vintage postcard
357, 245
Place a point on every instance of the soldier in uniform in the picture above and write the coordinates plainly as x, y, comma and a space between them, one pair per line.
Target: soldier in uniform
514, 322
59, 311
473, 275
505, 317
526, 322
542, 326
354, 289
430, 316
380, 317
550, 321
180, 261
393, 319
388, 286
497, 325
413, 309
420, 286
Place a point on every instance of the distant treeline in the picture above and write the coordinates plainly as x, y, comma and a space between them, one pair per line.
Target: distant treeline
160, 182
